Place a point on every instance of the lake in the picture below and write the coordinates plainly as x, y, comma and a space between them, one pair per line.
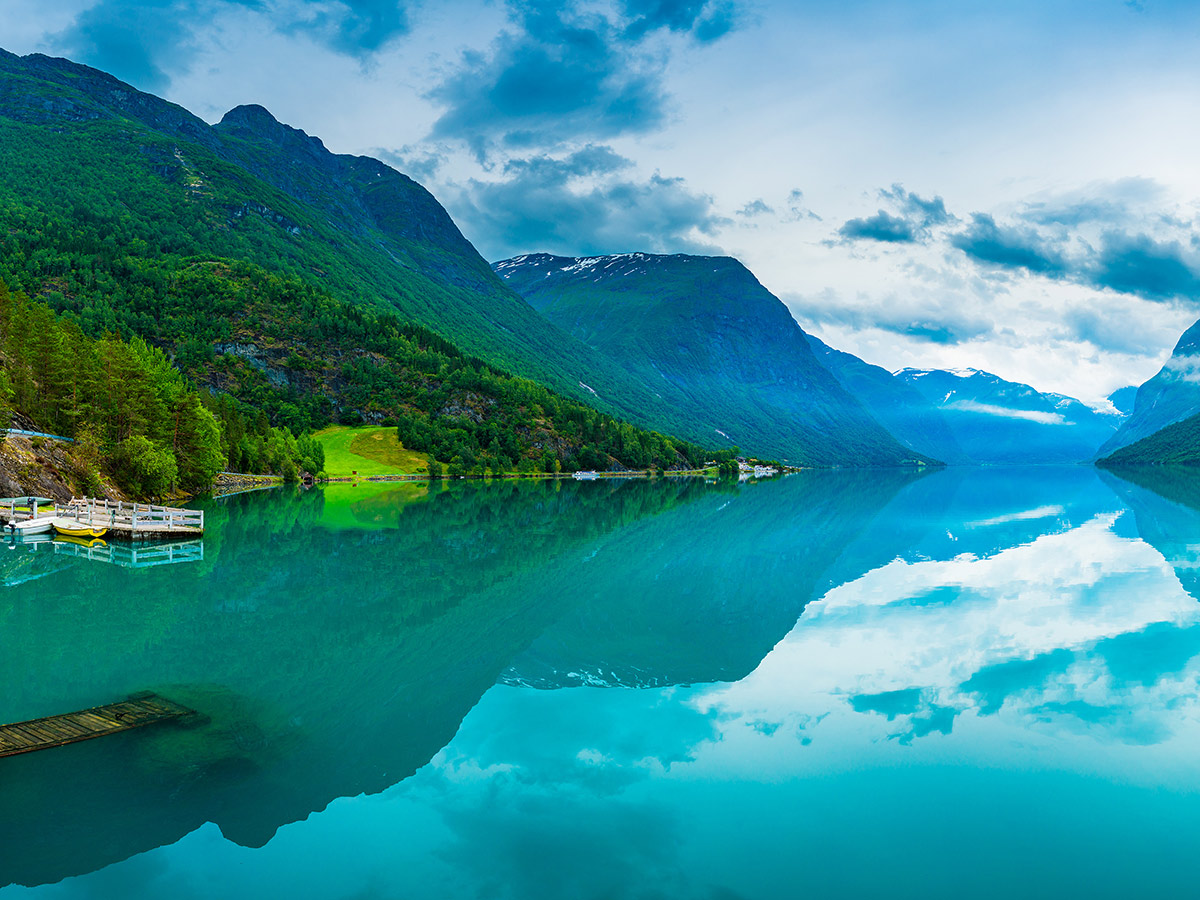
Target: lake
969, 682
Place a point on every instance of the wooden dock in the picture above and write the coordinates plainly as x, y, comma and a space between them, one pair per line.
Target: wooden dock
131, 521
137, 520
57, 731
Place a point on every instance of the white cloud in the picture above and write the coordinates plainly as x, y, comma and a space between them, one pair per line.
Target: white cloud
1029, 415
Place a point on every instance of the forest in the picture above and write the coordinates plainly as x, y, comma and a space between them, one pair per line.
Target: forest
132, 413
280, 346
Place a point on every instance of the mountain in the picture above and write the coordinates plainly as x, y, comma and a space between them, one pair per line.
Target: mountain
1123, 399
895, 404
1176, 444
1003, 422
1170, 396
248, 248
715, 344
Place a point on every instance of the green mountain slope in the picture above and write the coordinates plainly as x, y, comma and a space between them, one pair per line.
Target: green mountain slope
109, 193
1176, 444
1170, 396
715, 344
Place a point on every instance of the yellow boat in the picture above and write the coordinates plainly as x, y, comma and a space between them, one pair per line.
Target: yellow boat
71, 528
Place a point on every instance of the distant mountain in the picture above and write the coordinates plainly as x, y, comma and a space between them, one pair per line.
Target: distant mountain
1170, 396
714, 344
1003, 422
895, 404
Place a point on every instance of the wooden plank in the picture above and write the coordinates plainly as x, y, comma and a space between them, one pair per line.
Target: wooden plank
57, 731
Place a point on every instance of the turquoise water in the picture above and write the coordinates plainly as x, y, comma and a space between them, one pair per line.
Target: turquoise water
843, 684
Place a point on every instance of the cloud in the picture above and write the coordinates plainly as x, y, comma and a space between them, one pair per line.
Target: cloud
136, 41
755, 208
1137, 264
1101, 237
558, 76
1112, 203
912, 223
353, 27
566, 72
1029, 415
935, 317
144, 42
1107, 323
797, 210
880, 227
1008, 246
581, 204
419, 163
704, 20
927, 212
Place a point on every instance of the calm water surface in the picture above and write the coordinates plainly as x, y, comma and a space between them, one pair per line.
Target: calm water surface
973, 683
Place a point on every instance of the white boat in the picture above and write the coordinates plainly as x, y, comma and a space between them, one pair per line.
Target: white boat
30, 526
585, 476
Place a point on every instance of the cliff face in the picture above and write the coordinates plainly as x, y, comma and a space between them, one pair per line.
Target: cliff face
42, 471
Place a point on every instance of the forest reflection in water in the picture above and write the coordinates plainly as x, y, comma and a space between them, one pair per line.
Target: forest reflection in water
648, 687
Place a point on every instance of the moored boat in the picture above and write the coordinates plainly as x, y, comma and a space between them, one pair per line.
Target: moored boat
30, 526
72, 528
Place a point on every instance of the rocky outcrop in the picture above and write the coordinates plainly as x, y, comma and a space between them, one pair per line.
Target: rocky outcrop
36, 467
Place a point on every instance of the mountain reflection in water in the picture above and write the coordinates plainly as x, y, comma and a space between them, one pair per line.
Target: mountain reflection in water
776, 680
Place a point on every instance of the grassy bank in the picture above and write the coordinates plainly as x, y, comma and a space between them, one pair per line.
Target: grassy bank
368, 450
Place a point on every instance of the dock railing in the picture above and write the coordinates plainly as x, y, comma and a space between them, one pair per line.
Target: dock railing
129, 519
137, 517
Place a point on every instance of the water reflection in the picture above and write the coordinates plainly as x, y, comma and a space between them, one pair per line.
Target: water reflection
332, 660
937, 672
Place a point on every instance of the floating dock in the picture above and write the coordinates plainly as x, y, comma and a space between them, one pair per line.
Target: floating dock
99, 721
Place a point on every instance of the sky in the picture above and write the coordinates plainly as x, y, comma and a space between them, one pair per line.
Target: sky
1010, 186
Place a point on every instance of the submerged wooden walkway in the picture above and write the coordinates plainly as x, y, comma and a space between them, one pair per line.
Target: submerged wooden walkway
56, 731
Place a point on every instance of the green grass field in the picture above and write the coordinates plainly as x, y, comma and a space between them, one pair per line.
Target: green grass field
368, 450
